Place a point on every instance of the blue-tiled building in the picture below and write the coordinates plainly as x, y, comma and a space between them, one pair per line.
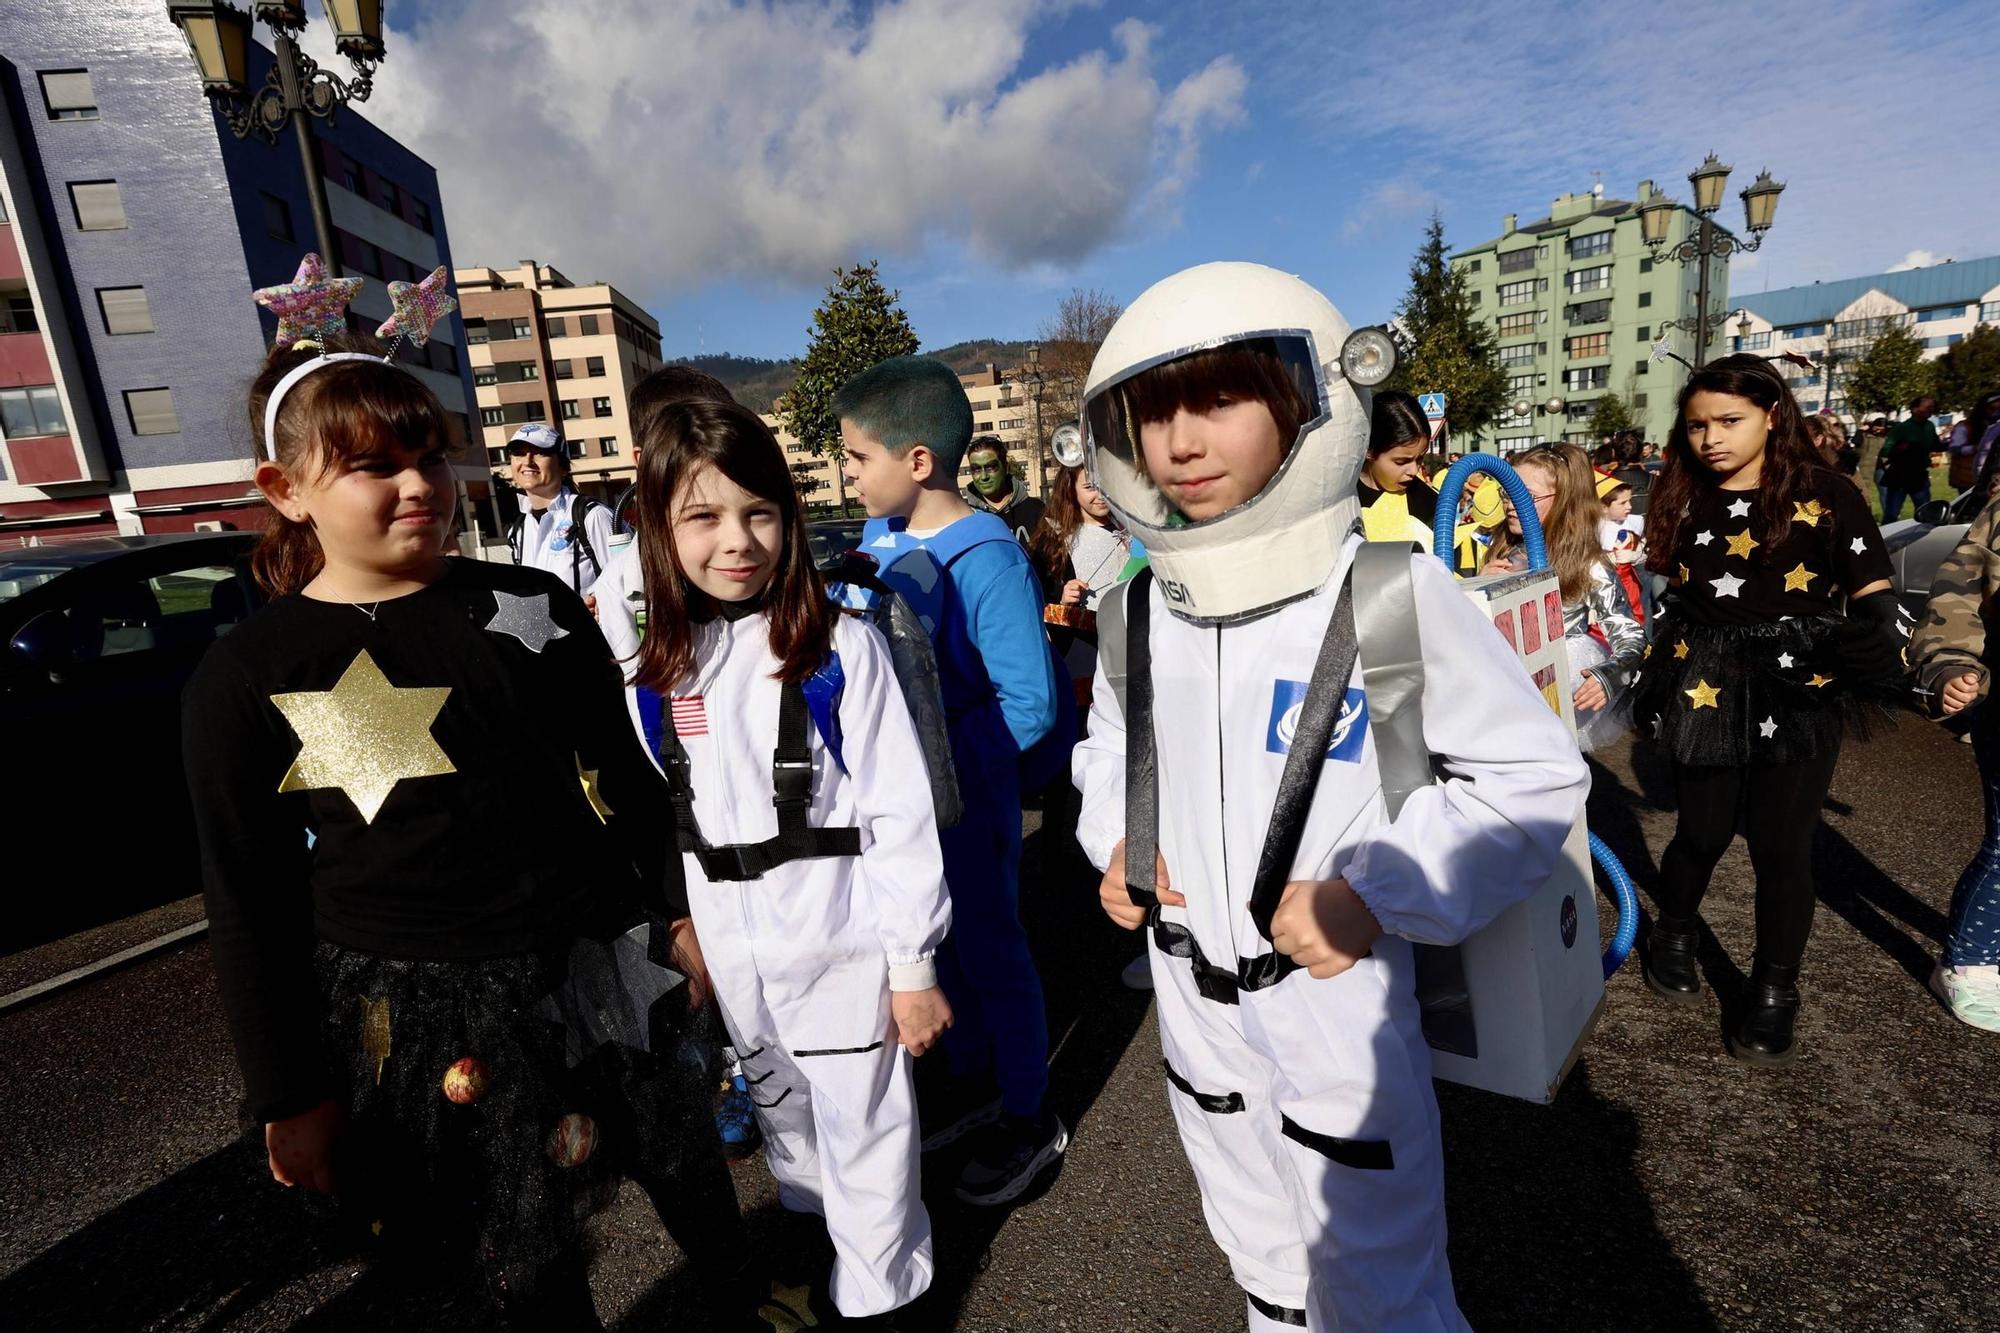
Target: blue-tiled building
136, 227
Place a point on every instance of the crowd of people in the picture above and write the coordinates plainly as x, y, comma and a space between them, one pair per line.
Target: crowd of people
475, 972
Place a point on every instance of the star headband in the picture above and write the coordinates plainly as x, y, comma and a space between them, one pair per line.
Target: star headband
313, 307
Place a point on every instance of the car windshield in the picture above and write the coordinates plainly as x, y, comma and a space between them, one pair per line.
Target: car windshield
16, 579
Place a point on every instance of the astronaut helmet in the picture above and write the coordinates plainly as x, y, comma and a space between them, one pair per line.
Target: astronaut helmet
1216, 335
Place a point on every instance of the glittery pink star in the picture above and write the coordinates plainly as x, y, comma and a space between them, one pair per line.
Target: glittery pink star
311, 305
418, 305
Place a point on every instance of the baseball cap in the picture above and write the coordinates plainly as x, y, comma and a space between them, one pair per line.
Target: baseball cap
542, 439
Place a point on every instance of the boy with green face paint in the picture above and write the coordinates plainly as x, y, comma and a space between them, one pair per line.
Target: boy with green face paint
996, 490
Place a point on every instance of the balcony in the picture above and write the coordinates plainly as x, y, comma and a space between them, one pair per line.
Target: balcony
24, 359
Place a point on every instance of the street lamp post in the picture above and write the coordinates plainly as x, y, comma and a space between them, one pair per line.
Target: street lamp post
218, 36
1760, 207
1037, 379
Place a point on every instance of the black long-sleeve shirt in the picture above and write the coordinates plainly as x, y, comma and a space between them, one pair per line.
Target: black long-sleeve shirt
500, 849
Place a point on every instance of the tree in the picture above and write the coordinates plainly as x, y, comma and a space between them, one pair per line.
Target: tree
1968, 370
1069, 343
1611, 415
1890, 374
1445, 346
858, 325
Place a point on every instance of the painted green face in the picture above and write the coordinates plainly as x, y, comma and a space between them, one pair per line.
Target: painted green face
989, 474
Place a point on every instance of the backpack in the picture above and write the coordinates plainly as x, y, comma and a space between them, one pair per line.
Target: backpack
580, 549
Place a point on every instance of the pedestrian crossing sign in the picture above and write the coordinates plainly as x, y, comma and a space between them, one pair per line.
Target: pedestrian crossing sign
1433, 405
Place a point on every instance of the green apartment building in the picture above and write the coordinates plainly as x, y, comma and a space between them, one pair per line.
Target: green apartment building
1577, 301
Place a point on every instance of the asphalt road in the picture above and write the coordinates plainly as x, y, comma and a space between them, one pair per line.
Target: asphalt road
1668, 1188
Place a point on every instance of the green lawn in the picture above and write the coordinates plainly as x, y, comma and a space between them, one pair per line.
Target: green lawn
1941, 489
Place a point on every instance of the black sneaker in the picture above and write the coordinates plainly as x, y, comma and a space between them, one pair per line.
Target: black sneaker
948, 1112
1008, 1155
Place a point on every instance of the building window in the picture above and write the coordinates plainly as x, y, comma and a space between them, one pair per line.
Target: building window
1989, 311
390, 198
125, 309
570, 410
534, 411
1475, 299
1645, 299
1940, 312
1587, 377
19, 316
486, 375
565, 369
1588, 344
1638, 401
593, 365
1472, 266
277, 216
558, 327
574, 448
1589, 312
1645, 332
1639, 367
151, 411
67, 94
98, 205
360, 256
1515, 293
475, 332
423, 212
608, 447
1646, 265
493, 416
1865, 328
530, 371
1754, 342
589, 323
1520, 383
350, 174
1518, 261
1520, 354
521, 328
444, 357
1583, 247
601, 406
1590, 279
1944, 341
1803, 331
1514, 325
31, 411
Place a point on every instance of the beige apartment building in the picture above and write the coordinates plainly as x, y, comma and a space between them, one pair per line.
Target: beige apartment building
544, 349
1001, 406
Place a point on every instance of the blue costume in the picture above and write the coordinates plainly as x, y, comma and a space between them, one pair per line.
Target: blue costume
972, 586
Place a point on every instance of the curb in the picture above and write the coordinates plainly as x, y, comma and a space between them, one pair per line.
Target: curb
76, 976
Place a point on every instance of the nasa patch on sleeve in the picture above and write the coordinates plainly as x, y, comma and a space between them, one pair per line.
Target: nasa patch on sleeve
1350, 729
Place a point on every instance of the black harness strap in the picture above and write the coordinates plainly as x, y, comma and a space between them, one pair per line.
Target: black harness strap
1325, 695
791, 793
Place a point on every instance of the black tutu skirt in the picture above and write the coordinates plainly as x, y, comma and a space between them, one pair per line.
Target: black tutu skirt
491, 1101
1774, 693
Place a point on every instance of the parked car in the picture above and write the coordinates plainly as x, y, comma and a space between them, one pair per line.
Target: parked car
101, 634
832, 538
1917, 546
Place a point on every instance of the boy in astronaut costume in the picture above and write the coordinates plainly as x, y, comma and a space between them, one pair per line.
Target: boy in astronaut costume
1225, 434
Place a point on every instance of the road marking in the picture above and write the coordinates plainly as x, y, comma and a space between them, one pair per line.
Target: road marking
76, 976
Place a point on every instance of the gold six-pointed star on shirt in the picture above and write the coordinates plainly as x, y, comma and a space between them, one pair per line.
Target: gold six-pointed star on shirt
363, 736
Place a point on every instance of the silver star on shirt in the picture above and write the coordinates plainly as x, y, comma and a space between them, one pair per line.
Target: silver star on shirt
526, 618
1769, 727
1703, 538
1785, 661
1741, 509
1726, 586
1858, 545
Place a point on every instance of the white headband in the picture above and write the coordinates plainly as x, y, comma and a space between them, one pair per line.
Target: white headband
292, 377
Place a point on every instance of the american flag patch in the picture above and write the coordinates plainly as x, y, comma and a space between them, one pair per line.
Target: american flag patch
690, 715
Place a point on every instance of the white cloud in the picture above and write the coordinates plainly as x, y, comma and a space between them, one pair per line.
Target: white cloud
1914, 259
661, 144
1391, 201
1506, 106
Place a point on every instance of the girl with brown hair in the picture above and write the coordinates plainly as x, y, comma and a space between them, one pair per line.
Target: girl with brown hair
803, 808
386, 940
1604, 641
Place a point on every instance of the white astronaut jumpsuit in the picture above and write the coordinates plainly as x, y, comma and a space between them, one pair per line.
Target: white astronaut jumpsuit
546, 542
1306, 1107
804, 958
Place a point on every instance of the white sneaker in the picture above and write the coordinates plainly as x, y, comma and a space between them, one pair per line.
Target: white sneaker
1971, 993
1138, 973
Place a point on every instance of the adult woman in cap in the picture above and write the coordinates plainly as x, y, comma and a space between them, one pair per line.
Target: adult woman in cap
565, 533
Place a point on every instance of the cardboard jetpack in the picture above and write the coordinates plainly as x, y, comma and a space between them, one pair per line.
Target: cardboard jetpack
1509, 1009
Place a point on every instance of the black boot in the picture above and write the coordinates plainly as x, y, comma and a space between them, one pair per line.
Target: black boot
1669, 964
1763, 1034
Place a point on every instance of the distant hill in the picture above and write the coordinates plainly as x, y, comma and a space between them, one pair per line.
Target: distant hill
759, 382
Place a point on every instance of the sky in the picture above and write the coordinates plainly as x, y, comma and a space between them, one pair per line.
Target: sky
716, 160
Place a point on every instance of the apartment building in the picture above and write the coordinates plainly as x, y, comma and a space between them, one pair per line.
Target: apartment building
1834, 322
1576, 301
133, 229
546, 349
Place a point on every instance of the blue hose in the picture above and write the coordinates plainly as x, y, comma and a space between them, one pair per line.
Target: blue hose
1444, 544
